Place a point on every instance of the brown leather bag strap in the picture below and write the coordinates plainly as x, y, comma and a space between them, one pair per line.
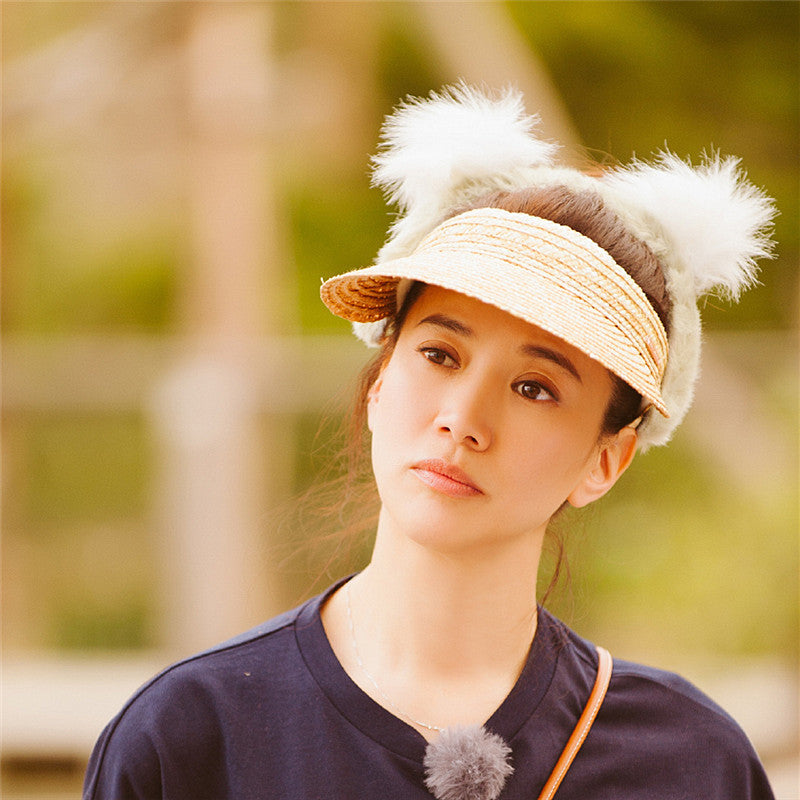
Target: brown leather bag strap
604, 666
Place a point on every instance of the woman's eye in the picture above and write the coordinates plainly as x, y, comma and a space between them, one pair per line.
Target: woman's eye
534, 390
438, 356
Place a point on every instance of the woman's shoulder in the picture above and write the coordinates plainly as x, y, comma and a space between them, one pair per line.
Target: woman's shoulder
657, 717
641, 689
641, 685
687, 738
656, 687
266, 644
199, 703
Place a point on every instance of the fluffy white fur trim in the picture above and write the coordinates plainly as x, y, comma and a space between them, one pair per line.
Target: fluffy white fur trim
714, 219
708, 225
440, 152
430, 149
371, 333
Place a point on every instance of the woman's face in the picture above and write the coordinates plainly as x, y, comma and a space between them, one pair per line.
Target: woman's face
483, 425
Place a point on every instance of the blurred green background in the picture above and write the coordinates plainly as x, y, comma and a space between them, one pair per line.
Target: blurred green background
695, 552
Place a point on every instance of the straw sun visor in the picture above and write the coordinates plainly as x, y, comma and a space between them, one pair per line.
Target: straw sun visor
540, 271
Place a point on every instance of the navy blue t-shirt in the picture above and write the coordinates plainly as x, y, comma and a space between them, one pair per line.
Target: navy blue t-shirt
272, 714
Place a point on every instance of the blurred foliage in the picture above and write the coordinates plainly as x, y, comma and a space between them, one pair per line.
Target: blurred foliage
406, 66
336, 227
59, 284
42, 22
80, 623
81, 510
84, 468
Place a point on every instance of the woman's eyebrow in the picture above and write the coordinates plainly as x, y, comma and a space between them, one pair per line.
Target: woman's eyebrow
537, 351
533, 350
450, 324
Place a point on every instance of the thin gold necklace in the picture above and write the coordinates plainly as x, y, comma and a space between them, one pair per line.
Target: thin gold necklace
386, 699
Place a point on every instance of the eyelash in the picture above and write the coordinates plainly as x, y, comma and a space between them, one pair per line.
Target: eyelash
551, 395
439, 357
442, 355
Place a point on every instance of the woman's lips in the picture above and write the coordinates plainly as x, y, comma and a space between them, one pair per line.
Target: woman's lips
445, 478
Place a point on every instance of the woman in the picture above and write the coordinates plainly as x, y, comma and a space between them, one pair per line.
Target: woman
537, 326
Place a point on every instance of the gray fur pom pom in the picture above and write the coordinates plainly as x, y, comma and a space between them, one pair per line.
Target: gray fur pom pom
467, 763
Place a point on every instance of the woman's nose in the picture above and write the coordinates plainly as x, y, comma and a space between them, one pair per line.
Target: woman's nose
466, 415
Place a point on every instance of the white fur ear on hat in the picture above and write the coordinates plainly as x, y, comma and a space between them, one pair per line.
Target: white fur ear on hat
714, 219
439, 152
430, 148
371, 333
708, 226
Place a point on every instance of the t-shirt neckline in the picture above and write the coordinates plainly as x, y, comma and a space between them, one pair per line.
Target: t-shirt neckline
393, 733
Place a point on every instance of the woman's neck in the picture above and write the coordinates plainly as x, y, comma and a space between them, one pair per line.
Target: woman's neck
443, 634
451, 607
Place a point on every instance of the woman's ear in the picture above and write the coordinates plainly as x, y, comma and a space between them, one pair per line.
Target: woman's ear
612, 459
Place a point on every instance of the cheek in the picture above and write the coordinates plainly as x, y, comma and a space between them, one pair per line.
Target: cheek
397, 396
372, 404
388, 409
394, 427
554, 454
